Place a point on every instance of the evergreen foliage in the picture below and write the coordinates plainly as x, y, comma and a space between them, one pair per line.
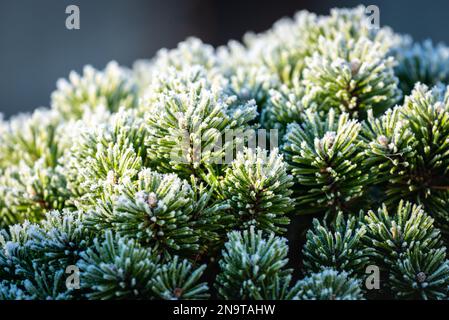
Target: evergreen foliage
178, 280
104, 157
155, 210
110, 89
117, 268
391, 234
339, 247
408, 145
34, 257
326, 161
351, 76
408, 247
422, 62
421, 275
258, 188
32, 180
253, 267
149, 184
329, 285
285, 105
187, 126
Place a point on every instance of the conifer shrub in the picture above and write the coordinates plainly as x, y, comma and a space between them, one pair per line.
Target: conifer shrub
193, 175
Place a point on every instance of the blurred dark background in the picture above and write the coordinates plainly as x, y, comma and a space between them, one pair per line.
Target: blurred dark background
36, 49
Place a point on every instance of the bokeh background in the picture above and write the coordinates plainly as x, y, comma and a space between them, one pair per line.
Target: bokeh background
36, 49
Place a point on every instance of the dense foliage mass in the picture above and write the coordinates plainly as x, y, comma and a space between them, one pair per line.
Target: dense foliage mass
200, 172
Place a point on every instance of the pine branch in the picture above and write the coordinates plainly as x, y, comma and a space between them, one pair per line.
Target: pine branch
178, 280
118, 268
326, 162
111, 89
351, 76
422, 62
257, 187
328, 285
187, 126
421, 274
339, 247
253, 267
